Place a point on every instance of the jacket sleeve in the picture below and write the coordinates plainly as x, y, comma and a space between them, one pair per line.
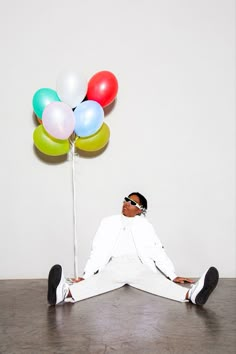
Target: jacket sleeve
159, 256
98, 254
163, 262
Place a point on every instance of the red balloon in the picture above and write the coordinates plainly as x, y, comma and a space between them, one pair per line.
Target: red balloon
102, 88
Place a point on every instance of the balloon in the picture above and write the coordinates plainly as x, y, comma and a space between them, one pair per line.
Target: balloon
59, 120
89, 117
102, 87
94, 142
71, 88
42, 98
49, 145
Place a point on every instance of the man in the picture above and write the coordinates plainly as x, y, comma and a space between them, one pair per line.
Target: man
126, 250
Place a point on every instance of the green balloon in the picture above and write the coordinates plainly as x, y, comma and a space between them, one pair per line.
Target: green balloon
42, 98
49, 145
96, 141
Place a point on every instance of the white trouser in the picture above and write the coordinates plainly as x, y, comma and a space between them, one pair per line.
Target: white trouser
127, 270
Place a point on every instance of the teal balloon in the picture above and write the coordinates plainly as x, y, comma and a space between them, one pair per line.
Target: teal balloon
42, 98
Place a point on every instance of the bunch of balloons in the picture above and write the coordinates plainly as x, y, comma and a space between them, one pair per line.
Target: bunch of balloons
75, 110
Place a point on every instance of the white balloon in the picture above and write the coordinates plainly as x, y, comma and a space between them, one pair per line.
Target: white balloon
71, 88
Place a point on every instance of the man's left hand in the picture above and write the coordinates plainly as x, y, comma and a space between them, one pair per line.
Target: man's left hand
181, 280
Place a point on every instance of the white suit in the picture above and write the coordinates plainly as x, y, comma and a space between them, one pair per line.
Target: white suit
141, 261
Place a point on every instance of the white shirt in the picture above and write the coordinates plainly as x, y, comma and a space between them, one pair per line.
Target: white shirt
125, 243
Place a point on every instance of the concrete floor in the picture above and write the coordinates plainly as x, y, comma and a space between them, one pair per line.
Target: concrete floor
124, 321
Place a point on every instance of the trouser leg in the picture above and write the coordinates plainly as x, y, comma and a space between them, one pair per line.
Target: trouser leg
105, 281
158, 284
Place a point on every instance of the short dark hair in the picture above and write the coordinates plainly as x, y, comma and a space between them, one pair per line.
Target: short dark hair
143, 200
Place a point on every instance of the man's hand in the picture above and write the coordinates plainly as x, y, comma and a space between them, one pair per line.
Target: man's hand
76, 280
181, 280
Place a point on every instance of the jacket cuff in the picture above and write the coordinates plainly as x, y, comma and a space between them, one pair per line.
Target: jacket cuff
172, 276
85, 275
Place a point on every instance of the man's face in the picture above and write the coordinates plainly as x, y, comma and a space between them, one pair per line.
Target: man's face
131, 210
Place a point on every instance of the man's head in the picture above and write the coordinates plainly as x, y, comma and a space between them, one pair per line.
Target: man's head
134, 204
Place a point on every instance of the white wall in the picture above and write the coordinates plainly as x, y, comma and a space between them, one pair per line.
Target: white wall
172, 128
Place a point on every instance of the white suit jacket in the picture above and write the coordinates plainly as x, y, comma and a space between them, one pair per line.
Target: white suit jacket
148, 246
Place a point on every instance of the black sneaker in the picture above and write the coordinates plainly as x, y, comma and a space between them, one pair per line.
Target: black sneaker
57, 286
200, 291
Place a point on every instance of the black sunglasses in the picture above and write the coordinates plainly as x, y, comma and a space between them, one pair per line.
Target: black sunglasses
132, 202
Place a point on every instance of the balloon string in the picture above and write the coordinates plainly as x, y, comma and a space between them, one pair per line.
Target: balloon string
74, 212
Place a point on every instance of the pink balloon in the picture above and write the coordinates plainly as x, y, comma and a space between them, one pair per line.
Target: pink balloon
58, 120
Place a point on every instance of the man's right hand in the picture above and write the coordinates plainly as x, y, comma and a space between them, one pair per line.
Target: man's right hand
76, 280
